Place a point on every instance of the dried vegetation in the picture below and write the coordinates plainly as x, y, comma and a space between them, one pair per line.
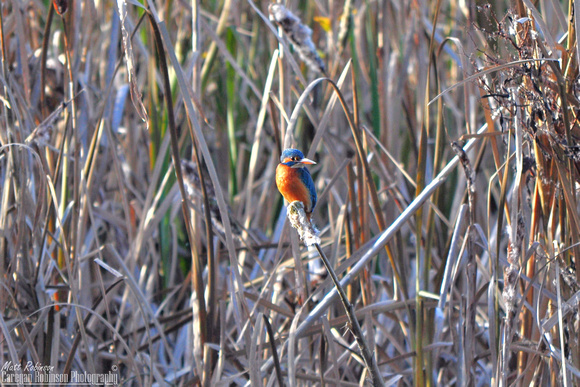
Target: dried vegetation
447, 179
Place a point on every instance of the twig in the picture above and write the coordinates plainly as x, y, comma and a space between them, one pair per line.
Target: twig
309, 234
274, 351
353, 324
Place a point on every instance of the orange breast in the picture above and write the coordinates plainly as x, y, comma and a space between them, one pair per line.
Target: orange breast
291, 187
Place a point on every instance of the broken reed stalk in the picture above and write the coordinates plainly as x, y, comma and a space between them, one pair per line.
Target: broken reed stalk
309, 234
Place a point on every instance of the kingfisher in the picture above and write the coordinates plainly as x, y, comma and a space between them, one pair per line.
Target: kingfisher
294, 181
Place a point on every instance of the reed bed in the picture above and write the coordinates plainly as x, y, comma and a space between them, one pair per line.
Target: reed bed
142, 236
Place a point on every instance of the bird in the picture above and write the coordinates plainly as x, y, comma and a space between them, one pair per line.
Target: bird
294, 180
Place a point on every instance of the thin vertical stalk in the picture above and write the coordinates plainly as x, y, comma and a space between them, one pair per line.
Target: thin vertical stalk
179, 175
422, 277
367, 355
43, 56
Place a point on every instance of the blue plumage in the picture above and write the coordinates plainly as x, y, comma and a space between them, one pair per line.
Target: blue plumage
306, 178
291, 156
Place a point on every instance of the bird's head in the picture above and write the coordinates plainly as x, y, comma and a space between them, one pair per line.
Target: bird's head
294, 158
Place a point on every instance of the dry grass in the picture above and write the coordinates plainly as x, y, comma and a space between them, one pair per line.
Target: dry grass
446, 139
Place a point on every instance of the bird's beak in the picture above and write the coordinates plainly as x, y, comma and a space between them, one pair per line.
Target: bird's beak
302, 162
